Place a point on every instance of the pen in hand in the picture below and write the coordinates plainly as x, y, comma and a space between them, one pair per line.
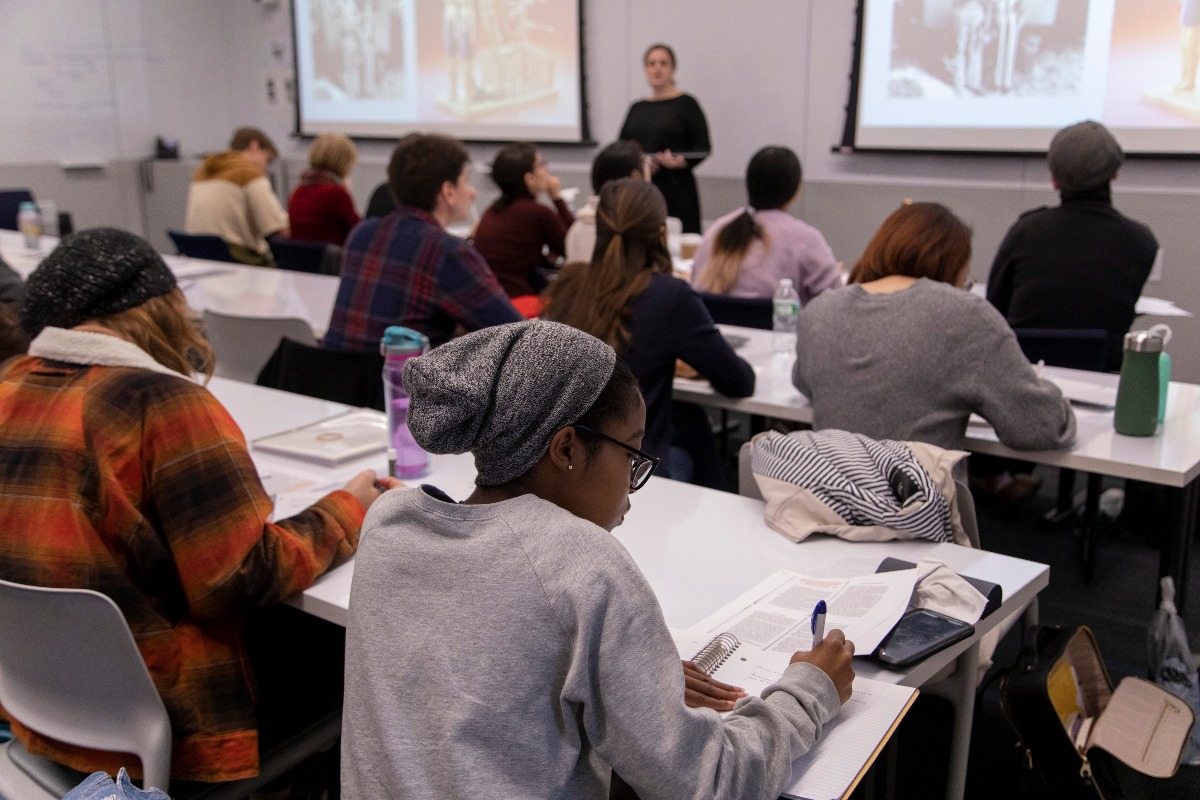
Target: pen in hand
818, 622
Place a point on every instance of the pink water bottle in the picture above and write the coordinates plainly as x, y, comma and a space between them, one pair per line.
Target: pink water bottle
406, 459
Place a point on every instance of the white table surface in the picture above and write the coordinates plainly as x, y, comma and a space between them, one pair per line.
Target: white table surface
698, 548
1170, 458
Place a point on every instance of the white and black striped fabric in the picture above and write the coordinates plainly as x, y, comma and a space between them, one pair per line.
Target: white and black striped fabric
851, 474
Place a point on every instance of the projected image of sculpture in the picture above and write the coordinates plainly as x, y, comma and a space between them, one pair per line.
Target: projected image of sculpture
1189, 45
358, 51
492, 62
948, 48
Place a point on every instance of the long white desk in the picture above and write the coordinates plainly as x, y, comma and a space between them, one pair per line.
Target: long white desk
1171, 458
698, 548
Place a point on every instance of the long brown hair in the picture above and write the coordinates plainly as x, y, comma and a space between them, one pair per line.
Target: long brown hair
920, 240
162, 327
630, 246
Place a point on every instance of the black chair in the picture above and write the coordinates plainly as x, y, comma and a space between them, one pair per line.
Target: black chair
299, 256
748, 312
201, 245
355, 379
1075, 348
10, 206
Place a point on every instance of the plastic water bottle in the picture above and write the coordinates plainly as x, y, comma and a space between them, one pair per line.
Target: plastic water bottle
786, 317
406, 459
29, 222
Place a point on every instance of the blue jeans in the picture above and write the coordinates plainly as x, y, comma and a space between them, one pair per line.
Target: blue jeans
99, 786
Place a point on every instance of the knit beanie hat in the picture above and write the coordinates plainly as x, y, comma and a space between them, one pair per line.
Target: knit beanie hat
503, 392
1083, 157
93, 273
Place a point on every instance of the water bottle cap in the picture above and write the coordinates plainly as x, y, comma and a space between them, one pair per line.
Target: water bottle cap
398, 339
26, 205
785, 281
1143, 342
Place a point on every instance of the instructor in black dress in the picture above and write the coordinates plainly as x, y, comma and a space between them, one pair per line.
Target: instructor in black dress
670, 127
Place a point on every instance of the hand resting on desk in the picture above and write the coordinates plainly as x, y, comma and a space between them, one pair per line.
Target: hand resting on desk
835, 656
704, 691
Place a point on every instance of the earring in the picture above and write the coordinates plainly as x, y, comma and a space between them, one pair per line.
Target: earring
570, 466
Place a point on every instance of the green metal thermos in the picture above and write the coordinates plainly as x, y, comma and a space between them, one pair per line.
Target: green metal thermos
1137, 393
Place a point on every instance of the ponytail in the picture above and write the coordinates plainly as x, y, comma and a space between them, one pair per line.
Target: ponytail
729, 251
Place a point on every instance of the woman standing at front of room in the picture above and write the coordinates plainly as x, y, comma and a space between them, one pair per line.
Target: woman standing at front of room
670, 126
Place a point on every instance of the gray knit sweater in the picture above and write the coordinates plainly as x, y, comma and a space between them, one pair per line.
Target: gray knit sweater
515, 650
914, 365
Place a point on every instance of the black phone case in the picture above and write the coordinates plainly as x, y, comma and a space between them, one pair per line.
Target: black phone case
931, 646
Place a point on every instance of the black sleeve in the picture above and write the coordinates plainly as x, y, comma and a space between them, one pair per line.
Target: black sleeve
704, 348
697, 127
1000, 278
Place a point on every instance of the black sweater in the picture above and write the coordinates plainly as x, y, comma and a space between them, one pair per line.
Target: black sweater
1081, 264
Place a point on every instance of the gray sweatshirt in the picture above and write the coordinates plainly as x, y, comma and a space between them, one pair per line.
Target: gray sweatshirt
515, 650
915, 364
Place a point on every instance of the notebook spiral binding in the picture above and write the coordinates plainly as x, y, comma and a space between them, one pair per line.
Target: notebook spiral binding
715, 653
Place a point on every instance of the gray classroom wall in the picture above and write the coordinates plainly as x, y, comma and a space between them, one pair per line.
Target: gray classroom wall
766, 72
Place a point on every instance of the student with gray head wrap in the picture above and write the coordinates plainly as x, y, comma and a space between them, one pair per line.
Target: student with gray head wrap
508, 645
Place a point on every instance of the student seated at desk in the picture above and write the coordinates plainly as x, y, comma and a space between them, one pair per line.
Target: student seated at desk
628, 298
904, 352
507, 645
518, 236
747, 252
321, 209
119, 473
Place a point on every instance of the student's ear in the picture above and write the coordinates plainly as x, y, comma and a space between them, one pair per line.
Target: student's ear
566, 450
531, 183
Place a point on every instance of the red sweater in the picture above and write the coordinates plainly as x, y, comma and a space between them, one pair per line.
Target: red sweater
511, 241
321, 210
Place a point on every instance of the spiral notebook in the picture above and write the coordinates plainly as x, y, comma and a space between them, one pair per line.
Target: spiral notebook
850, 742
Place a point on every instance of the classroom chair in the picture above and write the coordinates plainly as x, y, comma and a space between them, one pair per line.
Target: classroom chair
242, 345
70, 670
10, 206
1075, 348
201, 245
748, 312
299, 256
353, 378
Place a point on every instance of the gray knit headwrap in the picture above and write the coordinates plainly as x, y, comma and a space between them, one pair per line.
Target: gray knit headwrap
91, 274
1083, 157
503, 392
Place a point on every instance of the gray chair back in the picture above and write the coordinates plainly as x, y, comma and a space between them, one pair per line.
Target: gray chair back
242, 345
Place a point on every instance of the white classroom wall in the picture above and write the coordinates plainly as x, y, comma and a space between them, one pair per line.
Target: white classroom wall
766, 72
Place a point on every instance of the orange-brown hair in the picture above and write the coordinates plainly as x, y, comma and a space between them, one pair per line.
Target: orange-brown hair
162, 327
920, 240
333, 152
630, 246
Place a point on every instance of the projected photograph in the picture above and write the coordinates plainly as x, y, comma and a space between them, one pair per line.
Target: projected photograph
476, 69
1153, 64
358, 48
1026, 48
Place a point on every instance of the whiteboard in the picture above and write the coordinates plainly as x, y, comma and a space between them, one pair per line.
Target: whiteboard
57, 97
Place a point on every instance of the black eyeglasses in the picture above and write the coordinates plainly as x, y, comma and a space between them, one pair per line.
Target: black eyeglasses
642, 465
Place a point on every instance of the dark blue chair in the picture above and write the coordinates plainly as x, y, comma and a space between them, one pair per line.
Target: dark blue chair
10, 205
748, 312
1075, 348
299, 256
201, 245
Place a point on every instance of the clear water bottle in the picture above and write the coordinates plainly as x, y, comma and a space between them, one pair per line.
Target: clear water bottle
406, 459
29, 222
786, 317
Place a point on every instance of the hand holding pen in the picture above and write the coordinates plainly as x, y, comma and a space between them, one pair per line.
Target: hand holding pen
831, 653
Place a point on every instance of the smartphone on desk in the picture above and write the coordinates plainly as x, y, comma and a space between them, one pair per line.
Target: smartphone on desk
918, 634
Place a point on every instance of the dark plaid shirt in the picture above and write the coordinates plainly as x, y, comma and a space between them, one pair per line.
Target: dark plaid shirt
405, 269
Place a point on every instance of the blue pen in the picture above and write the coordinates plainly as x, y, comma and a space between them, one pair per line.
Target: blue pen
818, 622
